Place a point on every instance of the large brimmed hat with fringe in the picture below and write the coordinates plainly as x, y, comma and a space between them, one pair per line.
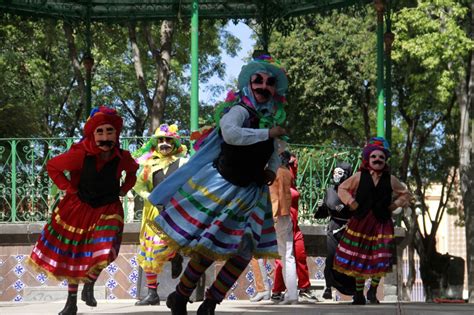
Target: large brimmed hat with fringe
264, 64
169, 131
163, 131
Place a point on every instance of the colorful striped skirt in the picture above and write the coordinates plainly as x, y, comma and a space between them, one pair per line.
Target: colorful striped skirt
153, 251
78, 240
365, 250
217, 219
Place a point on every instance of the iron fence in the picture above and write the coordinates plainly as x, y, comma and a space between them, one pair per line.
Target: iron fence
27, 194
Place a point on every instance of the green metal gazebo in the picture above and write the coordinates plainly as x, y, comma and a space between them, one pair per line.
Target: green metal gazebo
264, 12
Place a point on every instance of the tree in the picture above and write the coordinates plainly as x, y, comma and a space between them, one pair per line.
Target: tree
34, 79
330, 63
333, 100
465, 95
44, 75
428, 61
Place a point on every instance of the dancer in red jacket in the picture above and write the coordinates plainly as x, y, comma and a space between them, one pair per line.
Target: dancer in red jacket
84, 233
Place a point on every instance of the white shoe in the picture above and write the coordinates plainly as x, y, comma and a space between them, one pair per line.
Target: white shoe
265, 295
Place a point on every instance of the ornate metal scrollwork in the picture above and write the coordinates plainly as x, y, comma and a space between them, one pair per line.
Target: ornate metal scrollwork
23, 168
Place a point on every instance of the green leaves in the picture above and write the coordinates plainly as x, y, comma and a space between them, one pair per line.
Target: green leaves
39, 78
331, 65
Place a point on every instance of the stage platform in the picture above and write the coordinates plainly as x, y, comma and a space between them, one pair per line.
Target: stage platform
119, 307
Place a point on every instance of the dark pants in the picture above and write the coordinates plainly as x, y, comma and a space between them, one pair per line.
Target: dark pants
343, 283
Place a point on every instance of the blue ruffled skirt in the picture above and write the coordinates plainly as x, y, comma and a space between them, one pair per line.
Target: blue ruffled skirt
209, 215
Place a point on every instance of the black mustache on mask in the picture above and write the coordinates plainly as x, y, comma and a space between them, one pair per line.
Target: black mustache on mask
106, 143
164, 146
264, 92
378, 162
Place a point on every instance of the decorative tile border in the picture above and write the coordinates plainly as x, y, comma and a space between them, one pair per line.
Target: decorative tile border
119, 279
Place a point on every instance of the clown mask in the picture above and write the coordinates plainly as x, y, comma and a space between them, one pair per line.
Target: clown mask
105, 137
165, 145
377, 160
263, 86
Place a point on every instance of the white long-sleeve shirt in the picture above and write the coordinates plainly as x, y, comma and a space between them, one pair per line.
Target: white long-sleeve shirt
234, 134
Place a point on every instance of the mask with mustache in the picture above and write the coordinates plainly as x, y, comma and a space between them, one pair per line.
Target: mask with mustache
264, 92
106, 143
377, 162
164, 146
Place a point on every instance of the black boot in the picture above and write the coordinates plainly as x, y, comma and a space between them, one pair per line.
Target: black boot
88, 294
359, 298
71, 305
327, 294
151, 298
372, 295
177, 304
176, 266
207, 307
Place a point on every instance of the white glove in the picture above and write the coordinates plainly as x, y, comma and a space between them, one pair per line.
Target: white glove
397, 211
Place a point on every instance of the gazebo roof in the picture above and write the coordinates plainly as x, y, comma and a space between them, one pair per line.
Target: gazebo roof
128, 10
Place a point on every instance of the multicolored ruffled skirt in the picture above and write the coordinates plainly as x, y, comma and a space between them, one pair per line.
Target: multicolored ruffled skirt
365, 250
212, 217
153, 251
78, 240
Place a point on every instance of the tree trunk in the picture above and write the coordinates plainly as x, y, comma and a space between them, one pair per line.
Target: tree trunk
412, 123
162, 57
466, 170
163, 70
411, 223
76, 65
137, 64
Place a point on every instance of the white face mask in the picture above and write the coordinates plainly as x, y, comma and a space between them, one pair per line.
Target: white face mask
337, 175
263, 86
165, 145
105, 136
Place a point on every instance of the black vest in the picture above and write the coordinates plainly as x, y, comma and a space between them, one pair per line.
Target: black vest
160, 176
242, 165
99, 188
374, 198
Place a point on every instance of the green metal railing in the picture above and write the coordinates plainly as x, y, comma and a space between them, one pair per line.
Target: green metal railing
315, 166
27, 194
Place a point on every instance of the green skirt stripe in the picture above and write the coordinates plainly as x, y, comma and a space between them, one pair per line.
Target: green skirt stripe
68, 241
367, 247
208, 212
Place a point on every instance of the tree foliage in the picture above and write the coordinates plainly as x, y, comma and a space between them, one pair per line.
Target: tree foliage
330, 63
428, 63
44, 79
330, 60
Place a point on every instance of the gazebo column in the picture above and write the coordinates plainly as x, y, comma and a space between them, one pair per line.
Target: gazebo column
194, 66
388, 39
194, 123
88, 60
379, 7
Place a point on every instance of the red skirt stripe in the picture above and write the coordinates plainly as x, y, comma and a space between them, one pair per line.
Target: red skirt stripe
366, 247
79, 240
